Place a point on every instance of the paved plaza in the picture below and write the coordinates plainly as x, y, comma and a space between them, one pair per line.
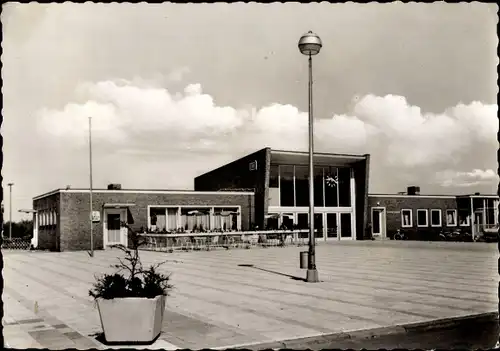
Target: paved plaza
218, 303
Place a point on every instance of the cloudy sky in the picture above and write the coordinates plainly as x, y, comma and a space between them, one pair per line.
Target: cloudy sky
176, 90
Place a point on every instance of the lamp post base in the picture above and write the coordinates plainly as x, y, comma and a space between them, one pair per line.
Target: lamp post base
312, 276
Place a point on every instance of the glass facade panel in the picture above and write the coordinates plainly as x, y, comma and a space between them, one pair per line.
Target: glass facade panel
345, 225
272, 221
303, 223
331, 187
331, 225
158, 219
318, 225
301, 186
287, 221
318, 187
274, 191
344, 176
286, 185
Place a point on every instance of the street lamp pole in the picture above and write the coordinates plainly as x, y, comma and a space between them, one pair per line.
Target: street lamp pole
310, 44
10, 209
90, 176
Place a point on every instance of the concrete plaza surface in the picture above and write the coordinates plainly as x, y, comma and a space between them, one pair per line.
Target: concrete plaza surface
217, 303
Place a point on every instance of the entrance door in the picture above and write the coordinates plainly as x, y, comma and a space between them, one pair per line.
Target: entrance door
345, 226
303, 223
378, 222
114, 233
318, 226
332, 226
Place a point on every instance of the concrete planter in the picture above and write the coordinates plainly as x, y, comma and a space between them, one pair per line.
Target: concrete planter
132, 319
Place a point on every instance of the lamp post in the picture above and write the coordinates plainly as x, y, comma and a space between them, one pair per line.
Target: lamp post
310, 45
10, 209
90, 190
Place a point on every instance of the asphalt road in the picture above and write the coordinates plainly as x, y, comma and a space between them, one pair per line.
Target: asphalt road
469, 334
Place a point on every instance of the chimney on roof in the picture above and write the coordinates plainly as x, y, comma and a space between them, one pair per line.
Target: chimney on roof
114, 186
413, 190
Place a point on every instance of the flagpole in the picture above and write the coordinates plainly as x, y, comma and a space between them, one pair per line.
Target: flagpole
90, 171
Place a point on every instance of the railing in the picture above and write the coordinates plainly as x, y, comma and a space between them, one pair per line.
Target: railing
227, 240
16, 243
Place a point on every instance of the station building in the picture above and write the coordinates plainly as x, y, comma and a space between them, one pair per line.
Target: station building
268, 189
265, 189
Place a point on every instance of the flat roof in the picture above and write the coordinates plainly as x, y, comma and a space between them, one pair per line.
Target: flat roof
143, 191
319, 158
328, 154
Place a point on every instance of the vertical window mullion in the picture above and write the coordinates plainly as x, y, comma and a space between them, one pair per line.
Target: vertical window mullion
324, 185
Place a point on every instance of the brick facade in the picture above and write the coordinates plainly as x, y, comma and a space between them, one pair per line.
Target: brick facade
237, 175
394, 205
73, 219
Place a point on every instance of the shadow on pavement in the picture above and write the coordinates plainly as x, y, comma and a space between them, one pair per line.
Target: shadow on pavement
471, 333
273, 272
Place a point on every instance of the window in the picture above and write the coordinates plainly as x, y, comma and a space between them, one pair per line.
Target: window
331, 187
274, 191
344, 187
303, 221
318, 186
490, 212
422, 218
406, 218
158, 219
463, 218
273, 176
224, 219
286, 186
301, 186
436, 218
198, 219
451, 218
272, 221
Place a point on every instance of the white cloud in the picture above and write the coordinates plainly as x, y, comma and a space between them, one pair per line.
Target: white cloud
400, 136
467, 179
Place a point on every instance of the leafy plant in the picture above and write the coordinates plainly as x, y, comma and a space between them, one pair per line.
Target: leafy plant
137, 282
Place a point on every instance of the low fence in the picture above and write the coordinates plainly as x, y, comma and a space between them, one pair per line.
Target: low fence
16, 243
226, 240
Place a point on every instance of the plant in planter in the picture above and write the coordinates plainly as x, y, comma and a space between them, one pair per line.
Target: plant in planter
131, 305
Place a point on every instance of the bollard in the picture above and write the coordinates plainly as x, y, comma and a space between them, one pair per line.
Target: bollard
304, 255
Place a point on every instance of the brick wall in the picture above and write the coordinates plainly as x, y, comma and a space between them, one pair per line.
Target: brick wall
237, 175
394, 205
48, 236
75, 227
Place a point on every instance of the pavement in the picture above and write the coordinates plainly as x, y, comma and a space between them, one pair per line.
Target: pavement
240, 297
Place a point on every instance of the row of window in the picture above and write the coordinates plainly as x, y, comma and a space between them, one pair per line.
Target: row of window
191, 219
289, 186
47, 218
453, 218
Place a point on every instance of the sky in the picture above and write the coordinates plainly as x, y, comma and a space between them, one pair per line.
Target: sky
175, 90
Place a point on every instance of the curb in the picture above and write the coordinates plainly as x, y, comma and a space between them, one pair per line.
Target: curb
360, 335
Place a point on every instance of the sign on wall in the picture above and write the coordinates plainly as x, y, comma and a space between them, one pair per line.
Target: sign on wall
253, 165
96, 216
